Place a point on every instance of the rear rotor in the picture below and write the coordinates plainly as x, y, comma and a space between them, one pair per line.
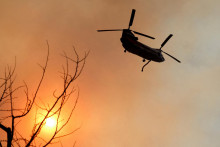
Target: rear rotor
162, 45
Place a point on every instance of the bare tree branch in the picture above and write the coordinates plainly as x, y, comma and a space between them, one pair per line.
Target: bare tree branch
7, 97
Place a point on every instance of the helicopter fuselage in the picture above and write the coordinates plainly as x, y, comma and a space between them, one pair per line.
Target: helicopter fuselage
132, 45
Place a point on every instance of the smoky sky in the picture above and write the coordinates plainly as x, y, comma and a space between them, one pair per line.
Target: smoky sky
169, 104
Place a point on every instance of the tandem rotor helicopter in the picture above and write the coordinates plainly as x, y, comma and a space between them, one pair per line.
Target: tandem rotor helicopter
131, 44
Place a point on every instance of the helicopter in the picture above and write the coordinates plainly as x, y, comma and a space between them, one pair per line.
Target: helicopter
131, 44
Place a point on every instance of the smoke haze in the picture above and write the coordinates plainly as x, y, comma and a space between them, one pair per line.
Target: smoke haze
169, 104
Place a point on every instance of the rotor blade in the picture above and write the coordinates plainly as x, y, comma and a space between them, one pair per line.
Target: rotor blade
165, 41
171, 56
145, 65
110, 30
143, 34
132, 18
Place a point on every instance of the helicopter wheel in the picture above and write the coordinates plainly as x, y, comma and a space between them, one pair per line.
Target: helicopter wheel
125, 51
144, 60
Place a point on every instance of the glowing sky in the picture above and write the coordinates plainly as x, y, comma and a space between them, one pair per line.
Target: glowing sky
168, 105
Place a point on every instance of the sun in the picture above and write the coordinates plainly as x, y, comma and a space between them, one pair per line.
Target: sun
50, 122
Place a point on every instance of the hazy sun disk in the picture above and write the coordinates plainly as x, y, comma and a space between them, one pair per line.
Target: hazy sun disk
50, 122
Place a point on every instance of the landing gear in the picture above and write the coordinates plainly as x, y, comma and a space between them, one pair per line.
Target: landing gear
143, 60
125, 51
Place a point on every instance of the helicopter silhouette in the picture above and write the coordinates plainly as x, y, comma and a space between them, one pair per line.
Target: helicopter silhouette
131, 44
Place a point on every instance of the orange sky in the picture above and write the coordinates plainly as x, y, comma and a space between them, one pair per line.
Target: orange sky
169, 104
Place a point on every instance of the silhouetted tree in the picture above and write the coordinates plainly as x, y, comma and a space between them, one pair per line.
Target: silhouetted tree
14, 115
